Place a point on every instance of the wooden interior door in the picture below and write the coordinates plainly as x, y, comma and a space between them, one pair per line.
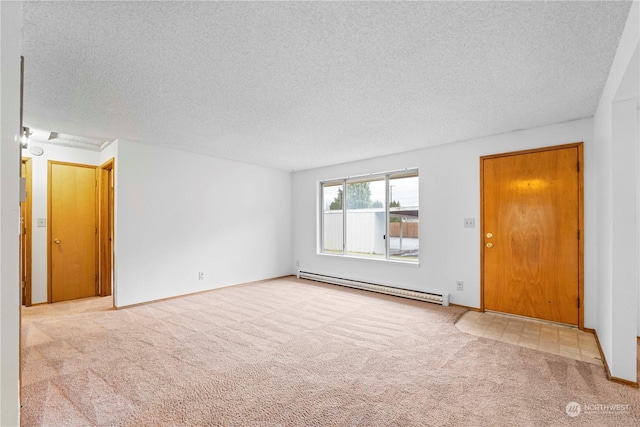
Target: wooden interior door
531, 222
72, 231
25, 236
106, 227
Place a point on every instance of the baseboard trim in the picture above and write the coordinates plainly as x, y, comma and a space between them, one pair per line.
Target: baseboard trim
138, 304
467, 307
622, 381
36, 304
606, 365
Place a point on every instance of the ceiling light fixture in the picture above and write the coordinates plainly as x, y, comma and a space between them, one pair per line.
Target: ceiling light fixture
24, 139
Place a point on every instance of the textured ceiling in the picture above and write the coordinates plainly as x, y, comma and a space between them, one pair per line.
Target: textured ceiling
297, 85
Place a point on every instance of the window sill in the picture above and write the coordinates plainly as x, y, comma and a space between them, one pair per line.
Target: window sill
371, 259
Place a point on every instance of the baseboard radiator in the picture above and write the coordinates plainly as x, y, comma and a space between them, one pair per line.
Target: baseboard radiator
436, 298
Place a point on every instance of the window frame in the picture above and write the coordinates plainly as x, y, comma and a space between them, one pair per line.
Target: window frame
343, 182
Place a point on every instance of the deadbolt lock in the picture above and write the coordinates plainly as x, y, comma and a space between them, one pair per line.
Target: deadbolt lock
489, 245
489, 235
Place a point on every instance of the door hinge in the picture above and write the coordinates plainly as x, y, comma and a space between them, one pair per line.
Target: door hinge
578, 164
578, 234
96, 230
578, 302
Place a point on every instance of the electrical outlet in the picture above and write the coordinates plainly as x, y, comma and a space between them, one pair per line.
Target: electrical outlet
469, 223
201, 275
460, 285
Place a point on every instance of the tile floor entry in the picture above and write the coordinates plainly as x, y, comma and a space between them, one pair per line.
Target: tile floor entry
530, 333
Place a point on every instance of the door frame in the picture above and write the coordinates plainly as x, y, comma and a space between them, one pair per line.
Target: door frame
50, 220
106, 197
580, 170
26, 251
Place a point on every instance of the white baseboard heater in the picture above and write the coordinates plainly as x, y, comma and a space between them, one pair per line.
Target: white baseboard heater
436, 298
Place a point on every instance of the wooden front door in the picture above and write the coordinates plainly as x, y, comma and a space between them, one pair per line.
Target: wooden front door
72, 232
531, 225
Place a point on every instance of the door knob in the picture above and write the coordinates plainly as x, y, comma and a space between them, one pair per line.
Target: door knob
489, 245
57, 241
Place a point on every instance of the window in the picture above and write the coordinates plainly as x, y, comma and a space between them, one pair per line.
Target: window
373, 217
332, 218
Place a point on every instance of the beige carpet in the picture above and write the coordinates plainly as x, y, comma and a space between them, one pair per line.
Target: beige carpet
288, 352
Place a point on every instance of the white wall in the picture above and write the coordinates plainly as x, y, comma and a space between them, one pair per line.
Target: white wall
180, 213
449, 192
10, 43
617, 216
232, 237
108, 152
39, 168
